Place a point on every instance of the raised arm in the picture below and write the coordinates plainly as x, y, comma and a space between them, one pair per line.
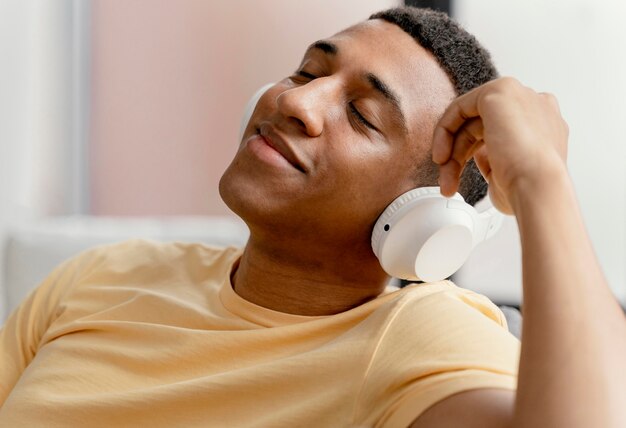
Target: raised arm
573, 361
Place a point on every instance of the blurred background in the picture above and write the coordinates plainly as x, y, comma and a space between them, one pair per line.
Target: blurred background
130, 109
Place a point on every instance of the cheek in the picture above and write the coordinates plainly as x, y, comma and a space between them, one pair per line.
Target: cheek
364, 172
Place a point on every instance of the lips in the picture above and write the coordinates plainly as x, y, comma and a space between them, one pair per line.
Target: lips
276, 142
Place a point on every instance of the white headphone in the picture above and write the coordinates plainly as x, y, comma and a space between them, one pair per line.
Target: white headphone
421, 235
425, 236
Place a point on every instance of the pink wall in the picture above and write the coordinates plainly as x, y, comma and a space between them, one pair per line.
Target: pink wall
170, 80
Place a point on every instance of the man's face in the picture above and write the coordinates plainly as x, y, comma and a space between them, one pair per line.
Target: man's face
328, 148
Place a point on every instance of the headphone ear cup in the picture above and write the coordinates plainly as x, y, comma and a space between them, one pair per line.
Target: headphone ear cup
424, 236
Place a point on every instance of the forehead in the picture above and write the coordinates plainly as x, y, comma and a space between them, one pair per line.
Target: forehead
384, 49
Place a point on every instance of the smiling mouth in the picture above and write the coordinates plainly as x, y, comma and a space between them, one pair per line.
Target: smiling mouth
279, 148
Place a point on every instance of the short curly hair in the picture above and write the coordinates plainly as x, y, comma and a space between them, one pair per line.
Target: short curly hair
460, 55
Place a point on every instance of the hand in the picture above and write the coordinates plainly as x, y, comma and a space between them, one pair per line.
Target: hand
516, 136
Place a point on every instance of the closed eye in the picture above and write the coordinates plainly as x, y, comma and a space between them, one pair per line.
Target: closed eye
360, 117
353, 109
302, 77
306, 75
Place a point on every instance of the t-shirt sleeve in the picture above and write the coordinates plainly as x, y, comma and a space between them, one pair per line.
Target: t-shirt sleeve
21, 334
435, 345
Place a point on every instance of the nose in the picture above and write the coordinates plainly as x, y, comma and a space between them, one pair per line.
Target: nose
307, 105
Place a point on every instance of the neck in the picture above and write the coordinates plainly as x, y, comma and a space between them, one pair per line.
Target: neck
308, 281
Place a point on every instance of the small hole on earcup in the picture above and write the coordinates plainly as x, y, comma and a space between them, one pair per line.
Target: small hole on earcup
386, 227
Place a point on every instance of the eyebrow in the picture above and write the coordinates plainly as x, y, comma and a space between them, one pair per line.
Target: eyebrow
325, 46
375, 81
390, 96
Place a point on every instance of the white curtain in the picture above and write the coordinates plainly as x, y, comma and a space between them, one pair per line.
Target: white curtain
42, 119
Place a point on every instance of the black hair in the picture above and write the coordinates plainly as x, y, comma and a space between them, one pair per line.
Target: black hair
460, 55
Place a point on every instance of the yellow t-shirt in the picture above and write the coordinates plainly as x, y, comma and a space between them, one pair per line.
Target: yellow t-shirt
146, 334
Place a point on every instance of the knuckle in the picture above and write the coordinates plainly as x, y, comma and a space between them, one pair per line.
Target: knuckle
491, 98
550, 96
507, 84
550, 99
503, 87
565, 127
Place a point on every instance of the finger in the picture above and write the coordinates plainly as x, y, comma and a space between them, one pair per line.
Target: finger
482, 162
467, 140
449, 174
462, 109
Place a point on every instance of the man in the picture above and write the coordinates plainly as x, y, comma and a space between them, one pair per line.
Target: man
299, 329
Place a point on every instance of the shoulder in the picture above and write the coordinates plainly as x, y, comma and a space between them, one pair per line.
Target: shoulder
142, 272
137, 254
448, 302
438, 340
149, 263
445, 322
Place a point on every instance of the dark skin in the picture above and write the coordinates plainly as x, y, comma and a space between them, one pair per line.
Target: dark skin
311, 212
309, 251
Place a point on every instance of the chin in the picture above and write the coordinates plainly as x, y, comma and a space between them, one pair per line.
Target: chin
251, 200
231, 192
